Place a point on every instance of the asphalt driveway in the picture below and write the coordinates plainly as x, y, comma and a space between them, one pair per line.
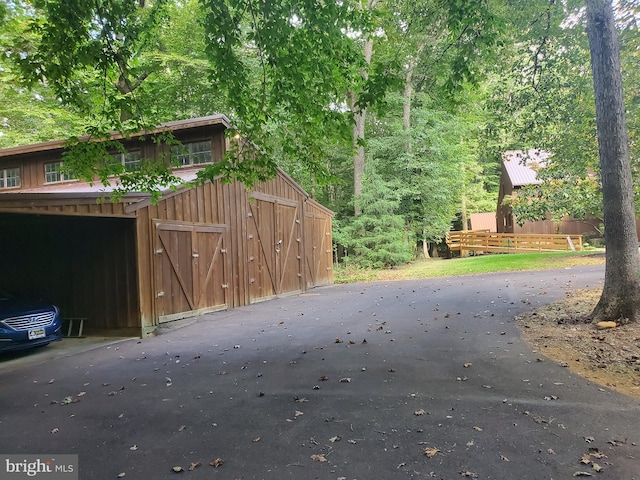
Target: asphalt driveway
412, 379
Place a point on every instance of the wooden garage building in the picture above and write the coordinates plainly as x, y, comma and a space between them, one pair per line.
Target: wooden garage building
128, 266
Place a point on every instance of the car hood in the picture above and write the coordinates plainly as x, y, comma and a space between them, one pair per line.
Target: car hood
14, 306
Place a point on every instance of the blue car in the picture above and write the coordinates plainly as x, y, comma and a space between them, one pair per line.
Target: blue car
26, 323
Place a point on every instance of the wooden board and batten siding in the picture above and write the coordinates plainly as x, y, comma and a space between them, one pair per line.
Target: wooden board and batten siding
131, 265
274, 240
190, 275
318, 246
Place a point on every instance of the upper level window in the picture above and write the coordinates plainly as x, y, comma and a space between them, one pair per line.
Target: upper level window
53, 173
130, 160
192, 153
9, 177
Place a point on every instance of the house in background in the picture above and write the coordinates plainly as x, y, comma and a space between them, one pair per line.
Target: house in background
519, 168
130, 265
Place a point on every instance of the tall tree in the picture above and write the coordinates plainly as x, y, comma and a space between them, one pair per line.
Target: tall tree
359, 110
620, 298
27, 115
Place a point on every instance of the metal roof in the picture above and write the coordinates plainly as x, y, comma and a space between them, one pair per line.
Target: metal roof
522, 166
484, 221
73, 187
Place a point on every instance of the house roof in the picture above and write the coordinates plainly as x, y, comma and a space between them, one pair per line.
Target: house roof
183, 174
217, 119
484, 221
522, 166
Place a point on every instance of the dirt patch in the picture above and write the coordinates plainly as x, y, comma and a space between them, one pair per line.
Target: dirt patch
608, 357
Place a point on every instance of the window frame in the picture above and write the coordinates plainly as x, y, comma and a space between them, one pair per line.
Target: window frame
121, 158
62, 176
178, 153
4, 177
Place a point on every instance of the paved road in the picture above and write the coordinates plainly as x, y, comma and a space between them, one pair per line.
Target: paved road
266, 387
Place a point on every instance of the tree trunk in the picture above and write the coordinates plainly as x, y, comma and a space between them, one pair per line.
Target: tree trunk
359, 117
406, 104
425, 244
464, 218
620, 298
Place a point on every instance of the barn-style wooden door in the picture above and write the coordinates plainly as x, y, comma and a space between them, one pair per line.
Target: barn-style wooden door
190, 270
318, 254
274, 246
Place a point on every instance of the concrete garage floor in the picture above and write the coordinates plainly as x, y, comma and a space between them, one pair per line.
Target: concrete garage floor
443, 387
66, 347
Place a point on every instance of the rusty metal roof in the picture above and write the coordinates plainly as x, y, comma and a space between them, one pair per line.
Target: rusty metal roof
522, 166
81, 189
484, 221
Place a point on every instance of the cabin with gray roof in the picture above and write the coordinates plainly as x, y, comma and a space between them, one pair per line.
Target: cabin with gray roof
519, 168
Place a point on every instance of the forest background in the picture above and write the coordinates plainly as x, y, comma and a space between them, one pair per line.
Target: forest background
393, 114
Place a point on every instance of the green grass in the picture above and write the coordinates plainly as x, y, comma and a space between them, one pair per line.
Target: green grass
468, 265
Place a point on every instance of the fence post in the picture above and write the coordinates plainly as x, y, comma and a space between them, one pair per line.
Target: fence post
571, 246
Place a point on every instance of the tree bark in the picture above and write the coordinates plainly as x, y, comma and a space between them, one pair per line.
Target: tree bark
359, 117
406, 105
620, 300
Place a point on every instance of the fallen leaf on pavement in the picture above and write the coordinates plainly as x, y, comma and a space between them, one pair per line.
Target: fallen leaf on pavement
337, 438
469, 474
318, 458
596, 467
504, 459
431, 451
477, 429
256, 440
582, 474
467, 365
345, 380
121, 475
298, 413
194, 465
419, 412
323, 378
177, 469
586, 459
617, 443
216, 463
181, 428
133, 448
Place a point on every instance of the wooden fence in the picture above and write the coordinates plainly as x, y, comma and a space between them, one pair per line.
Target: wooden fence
485, 241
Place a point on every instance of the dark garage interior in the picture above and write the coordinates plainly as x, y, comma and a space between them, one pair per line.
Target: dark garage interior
84, 265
